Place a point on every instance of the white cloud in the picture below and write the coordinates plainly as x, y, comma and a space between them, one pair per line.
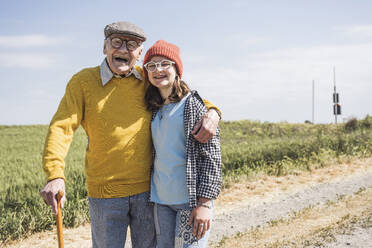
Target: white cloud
243, 40
276, 85
26, 60
35, 40
358, 31
352, 62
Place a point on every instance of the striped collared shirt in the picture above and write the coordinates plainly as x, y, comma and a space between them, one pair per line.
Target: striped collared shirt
107, 74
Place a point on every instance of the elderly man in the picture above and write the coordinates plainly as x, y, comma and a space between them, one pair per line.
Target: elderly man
108, 102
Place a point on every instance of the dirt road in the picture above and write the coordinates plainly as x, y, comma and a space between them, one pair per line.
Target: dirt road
328, 207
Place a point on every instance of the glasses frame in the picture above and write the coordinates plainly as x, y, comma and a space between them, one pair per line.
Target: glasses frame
158, 64
130, 48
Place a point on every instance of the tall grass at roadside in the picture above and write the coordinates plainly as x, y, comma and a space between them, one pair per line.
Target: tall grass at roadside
250, 146
22, 210
247, 146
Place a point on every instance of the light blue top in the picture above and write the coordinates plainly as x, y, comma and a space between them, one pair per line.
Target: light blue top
168, 181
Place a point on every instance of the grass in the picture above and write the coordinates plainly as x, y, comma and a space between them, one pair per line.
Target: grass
279, 148
22, 210
247, 147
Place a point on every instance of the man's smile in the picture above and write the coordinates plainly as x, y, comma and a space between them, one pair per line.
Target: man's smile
121, 59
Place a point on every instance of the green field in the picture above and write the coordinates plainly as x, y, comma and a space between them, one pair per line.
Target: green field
247, 147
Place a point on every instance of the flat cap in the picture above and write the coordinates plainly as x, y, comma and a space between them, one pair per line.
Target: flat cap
126, 28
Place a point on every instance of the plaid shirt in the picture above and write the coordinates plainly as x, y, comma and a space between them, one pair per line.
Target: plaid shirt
203, 160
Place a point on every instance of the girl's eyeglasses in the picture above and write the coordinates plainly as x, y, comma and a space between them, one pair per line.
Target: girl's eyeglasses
164, 65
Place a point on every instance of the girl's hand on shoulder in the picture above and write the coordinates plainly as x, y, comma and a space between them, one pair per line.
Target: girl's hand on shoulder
200, 219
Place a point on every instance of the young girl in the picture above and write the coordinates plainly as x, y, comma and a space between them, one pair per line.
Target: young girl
186, 174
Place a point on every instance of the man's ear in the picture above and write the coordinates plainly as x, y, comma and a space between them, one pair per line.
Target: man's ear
105, 47
140, 53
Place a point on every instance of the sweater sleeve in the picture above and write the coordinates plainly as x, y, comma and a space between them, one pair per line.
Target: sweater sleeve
61, 129
210, 105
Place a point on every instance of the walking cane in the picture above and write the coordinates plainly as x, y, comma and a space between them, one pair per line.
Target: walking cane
59, 220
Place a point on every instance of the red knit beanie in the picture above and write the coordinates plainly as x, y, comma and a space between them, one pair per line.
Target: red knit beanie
165, 49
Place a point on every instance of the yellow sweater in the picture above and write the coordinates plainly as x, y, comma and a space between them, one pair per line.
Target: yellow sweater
114, 116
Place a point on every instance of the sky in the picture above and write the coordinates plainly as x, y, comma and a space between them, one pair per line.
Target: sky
255, 60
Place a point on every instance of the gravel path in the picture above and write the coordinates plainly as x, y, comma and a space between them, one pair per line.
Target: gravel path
359, 238
228, 223
245, 209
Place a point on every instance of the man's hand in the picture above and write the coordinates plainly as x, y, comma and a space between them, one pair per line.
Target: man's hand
206, 127
50, 191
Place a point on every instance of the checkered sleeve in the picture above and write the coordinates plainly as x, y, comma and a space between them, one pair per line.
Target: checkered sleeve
209, 168
208, 160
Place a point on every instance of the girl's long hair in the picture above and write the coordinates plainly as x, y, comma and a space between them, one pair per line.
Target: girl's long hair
154, 100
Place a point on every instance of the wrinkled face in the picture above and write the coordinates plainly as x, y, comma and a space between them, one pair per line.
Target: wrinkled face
162, 78
121, 60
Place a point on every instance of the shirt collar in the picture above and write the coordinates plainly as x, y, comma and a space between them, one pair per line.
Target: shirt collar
107, 74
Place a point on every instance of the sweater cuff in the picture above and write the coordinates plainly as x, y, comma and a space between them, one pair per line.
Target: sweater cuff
209, 106
57, 173
217, 110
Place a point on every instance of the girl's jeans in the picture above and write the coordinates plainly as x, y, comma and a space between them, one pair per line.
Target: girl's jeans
172, 228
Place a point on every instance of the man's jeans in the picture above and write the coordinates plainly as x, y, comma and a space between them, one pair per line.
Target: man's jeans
110, 219
172, 229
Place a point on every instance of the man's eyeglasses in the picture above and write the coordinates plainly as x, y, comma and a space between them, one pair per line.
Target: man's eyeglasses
164, 64
131, 45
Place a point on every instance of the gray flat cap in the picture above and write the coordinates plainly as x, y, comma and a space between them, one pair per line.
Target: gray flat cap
126, 28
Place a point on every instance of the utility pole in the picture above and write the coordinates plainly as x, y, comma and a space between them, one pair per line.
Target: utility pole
336, 105
334, 94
